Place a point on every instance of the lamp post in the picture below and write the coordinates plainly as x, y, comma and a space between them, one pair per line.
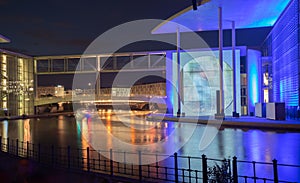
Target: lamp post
90, 88
178, 74
234, 113
220, 95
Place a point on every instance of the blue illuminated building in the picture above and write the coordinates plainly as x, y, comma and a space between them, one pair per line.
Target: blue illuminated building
269, 73
281, 50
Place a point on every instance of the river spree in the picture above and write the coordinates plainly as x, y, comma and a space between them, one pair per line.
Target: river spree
246, 144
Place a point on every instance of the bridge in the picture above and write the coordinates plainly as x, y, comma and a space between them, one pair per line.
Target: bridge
135, 102
137, 96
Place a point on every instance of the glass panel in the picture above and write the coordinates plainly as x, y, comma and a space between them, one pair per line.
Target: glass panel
158, 61
140, 61
107, 63
58, 65
89, 64
42, 65
122, 61
73, 63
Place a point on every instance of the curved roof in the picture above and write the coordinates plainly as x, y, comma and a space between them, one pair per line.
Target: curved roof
4, 39
245, 13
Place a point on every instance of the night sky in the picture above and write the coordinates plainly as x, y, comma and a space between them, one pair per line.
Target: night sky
51, 27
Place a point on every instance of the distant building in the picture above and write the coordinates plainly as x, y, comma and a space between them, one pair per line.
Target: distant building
51, 91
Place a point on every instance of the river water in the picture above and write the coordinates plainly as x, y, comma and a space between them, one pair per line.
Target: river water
245, 144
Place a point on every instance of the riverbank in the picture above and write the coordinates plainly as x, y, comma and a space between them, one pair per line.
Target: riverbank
229, 122
232, 122
2, 118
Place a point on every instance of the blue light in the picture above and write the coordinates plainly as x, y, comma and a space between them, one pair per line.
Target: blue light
254, 89
263, 16
169, 79
283, 45
199, 89
246, 14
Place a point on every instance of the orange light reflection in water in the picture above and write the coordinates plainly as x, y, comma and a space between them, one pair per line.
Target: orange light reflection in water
27, 136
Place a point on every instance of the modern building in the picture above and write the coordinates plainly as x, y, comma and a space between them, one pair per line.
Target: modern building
17, 83
272, 71
269, 73
281, 58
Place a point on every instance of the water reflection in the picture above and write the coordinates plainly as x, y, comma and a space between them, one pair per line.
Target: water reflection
254, 145
4, 129
27, 135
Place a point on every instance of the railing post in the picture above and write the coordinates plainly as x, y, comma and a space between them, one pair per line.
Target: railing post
234, 169
52, 155
39, 152
27, 146
176, 167
17, 147
140, 166
189, 170
204, 169
33, 152
275, 169
0, 143
88, 159
111, 162
69, 157
254, 170
7, 145
124, 162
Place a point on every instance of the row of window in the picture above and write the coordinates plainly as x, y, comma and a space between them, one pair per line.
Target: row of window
107, 63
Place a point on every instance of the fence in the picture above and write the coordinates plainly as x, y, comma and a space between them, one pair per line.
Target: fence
173, 168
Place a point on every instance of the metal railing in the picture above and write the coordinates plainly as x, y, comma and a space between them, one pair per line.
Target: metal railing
174, 168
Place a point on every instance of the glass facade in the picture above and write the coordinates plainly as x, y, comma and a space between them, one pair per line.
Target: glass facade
282, 45
17, 84
200, 82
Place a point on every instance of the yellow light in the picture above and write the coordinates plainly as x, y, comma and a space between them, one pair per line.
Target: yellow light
4, 104
266, 96
4, 59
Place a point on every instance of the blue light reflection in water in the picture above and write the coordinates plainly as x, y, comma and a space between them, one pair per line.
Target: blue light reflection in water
252, 145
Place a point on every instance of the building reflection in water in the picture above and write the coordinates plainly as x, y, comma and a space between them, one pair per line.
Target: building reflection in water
260, 147
134, 133
4, 128
61, 129
27, 133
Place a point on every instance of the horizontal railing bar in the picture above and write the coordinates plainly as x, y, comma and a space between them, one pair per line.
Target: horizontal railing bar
213, 159
289, 165
256, 162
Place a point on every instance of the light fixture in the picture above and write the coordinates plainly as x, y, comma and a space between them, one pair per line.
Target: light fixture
197, 3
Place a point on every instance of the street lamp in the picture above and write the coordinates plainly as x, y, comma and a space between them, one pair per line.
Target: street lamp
90, 87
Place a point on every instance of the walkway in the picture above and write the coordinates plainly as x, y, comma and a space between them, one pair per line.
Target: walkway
241, 122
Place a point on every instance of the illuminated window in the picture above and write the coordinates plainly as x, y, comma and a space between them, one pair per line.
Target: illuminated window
266, 79
266, 96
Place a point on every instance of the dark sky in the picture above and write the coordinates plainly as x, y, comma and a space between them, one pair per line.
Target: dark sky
61, 27
51, 27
